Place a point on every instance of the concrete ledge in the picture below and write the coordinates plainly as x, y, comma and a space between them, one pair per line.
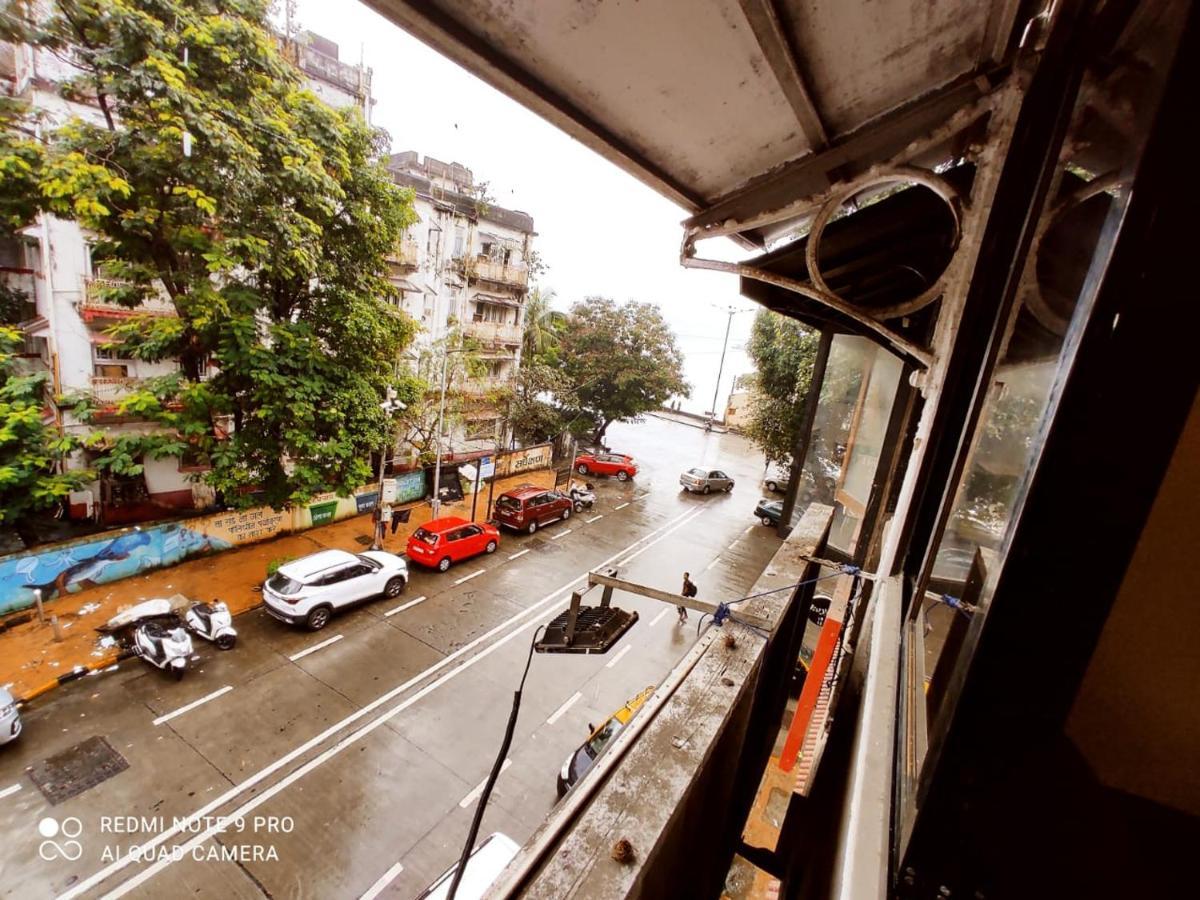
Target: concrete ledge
680, 779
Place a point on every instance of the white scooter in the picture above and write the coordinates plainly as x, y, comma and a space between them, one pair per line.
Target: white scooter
162, 645
213, 622
582, 498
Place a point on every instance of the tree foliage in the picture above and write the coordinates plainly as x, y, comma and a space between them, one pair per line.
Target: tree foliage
540, 403
217, 181
622, 360
31, 451
783, 352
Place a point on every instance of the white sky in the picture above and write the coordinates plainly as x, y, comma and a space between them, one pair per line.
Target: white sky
600, 230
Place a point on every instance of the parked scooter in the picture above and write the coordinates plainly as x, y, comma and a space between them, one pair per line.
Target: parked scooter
165, 646
213, 622
582, 498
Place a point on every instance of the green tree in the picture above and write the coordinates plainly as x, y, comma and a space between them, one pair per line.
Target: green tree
621, 361
542, 333
419, 422
31, 451
218, 182
538, 403
783, 351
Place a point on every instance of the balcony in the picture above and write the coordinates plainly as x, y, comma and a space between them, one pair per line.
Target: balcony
110, 390
405, 254
479, 387
501, 333
96, 306
481, 268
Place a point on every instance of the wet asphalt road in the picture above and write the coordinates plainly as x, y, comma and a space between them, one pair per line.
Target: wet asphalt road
346, 763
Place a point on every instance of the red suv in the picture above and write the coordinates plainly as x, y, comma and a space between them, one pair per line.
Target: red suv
527, 507
441, 542
606, 464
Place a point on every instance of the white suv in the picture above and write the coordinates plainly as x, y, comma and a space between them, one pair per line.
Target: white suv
10, 719
306, 591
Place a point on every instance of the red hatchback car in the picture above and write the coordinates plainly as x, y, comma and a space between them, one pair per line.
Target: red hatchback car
440, 543
528, 506
618, 464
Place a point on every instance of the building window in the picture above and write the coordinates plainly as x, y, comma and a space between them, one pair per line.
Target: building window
111, 370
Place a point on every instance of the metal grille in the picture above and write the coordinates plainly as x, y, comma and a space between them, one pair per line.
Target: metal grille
82, 767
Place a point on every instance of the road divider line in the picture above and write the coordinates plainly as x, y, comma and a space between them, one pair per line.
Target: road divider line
478, 789
594, 518
716, 559
659, 617
519, 553
10, 790
554, 716
189, 707
622, 506
315, 647
616, 659
560, 534
403, 606
469, 577
138, 853
384, 880
694, 514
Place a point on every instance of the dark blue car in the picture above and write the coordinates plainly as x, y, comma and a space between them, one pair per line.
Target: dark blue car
769, 512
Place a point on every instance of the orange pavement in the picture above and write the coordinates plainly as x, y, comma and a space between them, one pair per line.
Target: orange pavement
32, 661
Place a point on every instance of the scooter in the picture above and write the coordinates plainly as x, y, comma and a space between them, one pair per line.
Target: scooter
165, 646
583, 498
213, 622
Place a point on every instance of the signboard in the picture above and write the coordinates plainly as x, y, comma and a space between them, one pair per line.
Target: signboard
487, 466
526, 460
365, 503
389, 490
323, 513
819, 610
409, 486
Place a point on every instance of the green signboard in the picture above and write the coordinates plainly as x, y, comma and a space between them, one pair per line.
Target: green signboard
323, 513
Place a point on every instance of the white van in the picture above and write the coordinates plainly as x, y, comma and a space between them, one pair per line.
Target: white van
484, 866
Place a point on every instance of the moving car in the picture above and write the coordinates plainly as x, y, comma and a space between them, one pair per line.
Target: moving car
442, 542
613, 464
579, 762
484, 866
769, 512
10, 719
528, 507
307, 591
705, 481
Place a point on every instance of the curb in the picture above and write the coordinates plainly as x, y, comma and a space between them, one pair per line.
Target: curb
76, 673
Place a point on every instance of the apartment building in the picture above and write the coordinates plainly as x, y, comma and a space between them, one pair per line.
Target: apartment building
64, 318
464, 266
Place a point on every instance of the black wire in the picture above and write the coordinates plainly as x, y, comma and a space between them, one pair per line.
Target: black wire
494, 774
786, 587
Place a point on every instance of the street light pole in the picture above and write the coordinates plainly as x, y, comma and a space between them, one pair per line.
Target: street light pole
731, 312
437, 471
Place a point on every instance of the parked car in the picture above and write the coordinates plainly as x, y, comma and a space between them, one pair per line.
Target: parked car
600, 739
619, 465
705, 481
440, 543
769, 512
10, 719
777, 482
484, 866
307, 591
528, 507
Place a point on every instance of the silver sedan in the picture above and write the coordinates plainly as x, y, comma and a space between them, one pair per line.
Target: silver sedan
705, 481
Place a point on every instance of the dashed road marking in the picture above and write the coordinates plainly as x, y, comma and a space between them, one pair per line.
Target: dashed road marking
561, 534
622, 506
10, 790
315, 647
558, 713
716, 559
693, 516
659, 617
519, 553
384, 880
403, 606
478, 789
616, 659
469, 577
189, 707
594, 518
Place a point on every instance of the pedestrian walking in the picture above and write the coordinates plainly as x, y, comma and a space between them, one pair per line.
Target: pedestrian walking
689, 590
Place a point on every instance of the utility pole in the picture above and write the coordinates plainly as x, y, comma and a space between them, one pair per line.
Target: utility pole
730, 312
437, 471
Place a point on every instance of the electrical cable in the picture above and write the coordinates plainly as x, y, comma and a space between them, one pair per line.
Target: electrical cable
495, 773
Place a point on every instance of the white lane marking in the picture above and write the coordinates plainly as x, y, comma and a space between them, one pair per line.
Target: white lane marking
555, 537
469, 577
189, 707
716, 559
594, 518
558, 713
403, 606
616, 659
659, 617
519, 553
695, 514
189, 824
622, 506
315, 647
384, 880
10, 790
478, 789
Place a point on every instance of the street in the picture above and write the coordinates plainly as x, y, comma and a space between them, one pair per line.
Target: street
347, 763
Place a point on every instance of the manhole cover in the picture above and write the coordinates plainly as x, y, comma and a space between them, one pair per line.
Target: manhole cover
364, 540
74, 771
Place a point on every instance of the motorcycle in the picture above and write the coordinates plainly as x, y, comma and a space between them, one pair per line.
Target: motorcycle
213, 622
582, 498
162, 645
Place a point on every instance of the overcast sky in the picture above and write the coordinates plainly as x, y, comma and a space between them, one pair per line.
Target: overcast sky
599, 230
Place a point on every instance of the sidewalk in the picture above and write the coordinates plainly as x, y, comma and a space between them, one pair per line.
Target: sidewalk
682, 418
32, 662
